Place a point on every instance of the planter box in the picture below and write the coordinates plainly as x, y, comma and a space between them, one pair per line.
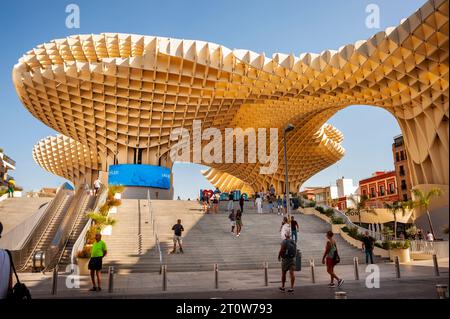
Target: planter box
336, 228
83, 266
403, 255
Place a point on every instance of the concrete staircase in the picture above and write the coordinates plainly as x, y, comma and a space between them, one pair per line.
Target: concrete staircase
14, 211
131, 245
207, 239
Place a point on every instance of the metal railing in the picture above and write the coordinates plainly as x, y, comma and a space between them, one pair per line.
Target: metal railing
22, 254
439, 248
81, 241
155, 230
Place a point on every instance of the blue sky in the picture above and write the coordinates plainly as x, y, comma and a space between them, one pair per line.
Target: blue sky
287, 26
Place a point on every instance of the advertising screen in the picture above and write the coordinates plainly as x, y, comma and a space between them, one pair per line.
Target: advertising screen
139, 175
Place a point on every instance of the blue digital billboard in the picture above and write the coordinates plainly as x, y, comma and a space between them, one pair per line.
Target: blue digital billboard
139, 175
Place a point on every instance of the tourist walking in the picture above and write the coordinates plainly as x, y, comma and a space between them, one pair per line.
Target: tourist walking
178, 229
272, 191
270, 204
95, 265
232, 218
285, 228
11, 184
5, 274
230, 202
286, 255
331, 259
368, 244
239, 223
285, 205
429, 236
258, 203
241, 203
294, 229
97, 185
279, 204
215, 204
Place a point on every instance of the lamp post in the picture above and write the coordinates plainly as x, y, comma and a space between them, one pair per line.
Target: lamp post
287, 129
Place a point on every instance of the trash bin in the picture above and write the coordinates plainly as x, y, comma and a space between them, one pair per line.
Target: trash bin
298, 260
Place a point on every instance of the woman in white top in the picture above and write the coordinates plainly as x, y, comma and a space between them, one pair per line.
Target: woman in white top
258, 202
285, 228
5, 274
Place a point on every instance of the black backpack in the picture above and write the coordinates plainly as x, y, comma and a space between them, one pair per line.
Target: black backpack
291, 248
19, 292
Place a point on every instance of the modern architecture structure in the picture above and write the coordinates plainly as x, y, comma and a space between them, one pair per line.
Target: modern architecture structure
122, 95
401, 168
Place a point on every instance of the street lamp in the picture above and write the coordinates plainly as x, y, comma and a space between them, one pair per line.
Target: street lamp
287, 129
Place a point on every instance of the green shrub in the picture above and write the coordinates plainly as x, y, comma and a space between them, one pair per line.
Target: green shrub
320, 209
337, 220
398, 244
329, 212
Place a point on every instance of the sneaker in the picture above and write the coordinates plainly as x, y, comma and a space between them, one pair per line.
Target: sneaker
93, 289
331, 285
99, 289
237, 235
340, 282
282, 289
291, 291
181, 251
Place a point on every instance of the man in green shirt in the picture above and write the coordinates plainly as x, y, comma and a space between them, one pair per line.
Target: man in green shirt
95, 264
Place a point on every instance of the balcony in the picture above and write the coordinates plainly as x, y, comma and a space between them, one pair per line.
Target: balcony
8, 160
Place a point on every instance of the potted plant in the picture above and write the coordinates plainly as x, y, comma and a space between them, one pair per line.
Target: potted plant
83, 257
400, 249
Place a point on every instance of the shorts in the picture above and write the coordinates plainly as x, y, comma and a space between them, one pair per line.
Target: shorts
287, 264
239, 223
330, 262
280, 206
176, 239
95, 263
233, 223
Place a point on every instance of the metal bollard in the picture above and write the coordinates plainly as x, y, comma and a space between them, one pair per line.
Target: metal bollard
340, 295
266, 274
311, 264
397, 267
356, 267
55, 281
164, 277
442, 291
111, 279
216, 276
436, 266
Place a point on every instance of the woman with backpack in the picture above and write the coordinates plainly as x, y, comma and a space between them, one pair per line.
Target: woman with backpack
331, 258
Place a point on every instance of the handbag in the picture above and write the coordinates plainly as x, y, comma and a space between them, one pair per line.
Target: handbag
19, 292
336, 258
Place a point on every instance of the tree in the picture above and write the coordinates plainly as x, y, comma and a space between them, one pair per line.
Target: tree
395, 207
423, 200
360, 206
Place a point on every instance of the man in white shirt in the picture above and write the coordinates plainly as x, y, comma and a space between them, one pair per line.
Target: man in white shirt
5, 274
97, 185
430, 236
258, 203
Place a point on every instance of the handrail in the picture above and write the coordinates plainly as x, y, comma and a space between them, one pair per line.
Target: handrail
155, 232
100, 200
65, 227
361, 230
22, 255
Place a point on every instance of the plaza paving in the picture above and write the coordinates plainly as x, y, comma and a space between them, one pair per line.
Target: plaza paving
417, 281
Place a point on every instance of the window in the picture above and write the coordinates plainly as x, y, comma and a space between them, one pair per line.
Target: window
403, 184
364, 192
382, 191
372, 192
405, 197
402, 156
391, 188
402, 170
397, 158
